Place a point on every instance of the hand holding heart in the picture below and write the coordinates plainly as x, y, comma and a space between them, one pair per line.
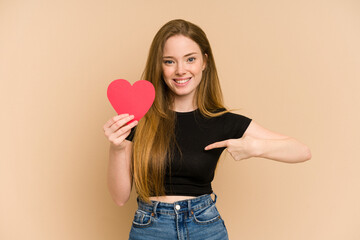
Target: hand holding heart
131, 103
117, 129
241, 148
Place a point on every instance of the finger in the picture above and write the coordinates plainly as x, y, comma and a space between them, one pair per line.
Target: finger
126, 128
118, 140
124, 131
217, 145
120, 117
114, 119
121, 122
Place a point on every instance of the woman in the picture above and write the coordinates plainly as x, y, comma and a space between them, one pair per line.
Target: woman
172, 153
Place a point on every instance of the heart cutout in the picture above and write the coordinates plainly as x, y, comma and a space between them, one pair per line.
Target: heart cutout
135, 100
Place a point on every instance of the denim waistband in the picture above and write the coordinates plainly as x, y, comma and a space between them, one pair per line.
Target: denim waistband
188, 205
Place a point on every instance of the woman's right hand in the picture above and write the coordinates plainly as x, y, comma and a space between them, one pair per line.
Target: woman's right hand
116, 130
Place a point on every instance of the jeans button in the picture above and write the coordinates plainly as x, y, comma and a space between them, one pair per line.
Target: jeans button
177, 207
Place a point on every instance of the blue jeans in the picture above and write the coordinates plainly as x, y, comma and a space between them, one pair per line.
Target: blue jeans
193, 219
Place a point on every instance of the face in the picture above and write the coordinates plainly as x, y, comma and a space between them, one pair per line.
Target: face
182, 66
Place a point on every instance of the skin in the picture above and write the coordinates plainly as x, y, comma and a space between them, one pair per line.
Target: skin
118, 177
182, 60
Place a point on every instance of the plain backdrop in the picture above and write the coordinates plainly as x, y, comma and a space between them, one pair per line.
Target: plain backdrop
291, 65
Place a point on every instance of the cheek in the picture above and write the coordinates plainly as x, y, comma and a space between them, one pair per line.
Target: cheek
198, 72
198, 68
166, 77
167, 73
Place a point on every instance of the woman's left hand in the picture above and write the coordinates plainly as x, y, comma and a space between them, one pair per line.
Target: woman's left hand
240, 149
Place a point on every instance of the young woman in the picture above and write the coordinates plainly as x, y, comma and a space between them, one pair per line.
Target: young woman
172, 153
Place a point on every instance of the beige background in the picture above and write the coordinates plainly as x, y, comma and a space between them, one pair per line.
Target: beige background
292, 65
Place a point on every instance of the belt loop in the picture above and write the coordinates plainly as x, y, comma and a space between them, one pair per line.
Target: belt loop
215, 197
189, 208
154, 208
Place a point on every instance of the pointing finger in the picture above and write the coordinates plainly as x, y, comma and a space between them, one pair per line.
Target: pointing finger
217, 145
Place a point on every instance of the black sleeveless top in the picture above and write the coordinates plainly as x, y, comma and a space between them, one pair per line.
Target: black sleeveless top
192, 172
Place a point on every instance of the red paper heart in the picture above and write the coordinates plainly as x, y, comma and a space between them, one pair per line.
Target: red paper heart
135, 100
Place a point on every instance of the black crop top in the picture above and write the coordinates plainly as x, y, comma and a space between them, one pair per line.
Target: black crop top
192, 174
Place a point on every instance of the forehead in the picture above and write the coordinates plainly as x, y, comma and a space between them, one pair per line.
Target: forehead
179, 45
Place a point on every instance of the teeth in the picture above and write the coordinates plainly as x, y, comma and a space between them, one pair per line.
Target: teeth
182, 81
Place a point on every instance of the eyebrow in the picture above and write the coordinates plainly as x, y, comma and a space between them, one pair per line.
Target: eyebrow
184, 55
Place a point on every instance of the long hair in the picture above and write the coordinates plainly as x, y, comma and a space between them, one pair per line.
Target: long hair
155, 137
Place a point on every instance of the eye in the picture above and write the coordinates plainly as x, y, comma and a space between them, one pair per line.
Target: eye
191, 59
168, 62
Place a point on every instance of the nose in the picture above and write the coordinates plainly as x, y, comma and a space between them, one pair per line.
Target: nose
180, 69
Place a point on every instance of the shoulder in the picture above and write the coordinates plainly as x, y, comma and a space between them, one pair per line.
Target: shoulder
225, 116
234, 124
231, 116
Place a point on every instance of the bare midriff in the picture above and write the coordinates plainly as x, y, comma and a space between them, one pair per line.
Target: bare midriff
170, 199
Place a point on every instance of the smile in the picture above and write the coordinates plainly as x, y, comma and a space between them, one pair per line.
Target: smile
182, 80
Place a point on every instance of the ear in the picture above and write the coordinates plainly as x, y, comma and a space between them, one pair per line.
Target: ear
205, 59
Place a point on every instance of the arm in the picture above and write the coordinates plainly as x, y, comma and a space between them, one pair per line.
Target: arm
119, 174
260, 142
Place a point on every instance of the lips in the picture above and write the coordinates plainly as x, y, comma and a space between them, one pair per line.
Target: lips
182, 81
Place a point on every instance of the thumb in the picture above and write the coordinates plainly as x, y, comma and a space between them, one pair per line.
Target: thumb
217, 145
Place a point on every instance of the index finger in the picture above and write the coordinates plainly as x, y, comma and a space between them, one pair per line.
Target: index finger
115, 119
217, 145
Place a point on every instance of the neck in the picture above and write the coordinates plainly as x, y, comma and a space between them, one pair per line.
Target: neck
183, 104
